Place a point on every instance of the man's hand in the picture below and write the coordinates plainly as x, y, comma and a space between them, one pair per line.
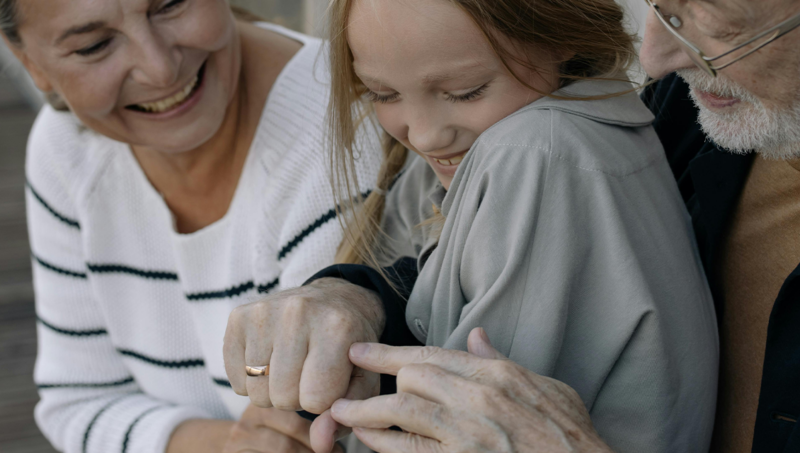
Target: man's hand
270, 431
451, 401
304, 335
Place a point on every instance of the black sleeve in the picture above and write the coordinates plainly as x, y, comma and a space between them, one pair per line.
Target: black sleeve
403, 275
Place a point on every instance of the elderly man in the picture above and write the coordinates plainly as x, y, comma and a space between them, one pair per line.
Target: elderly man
737, 65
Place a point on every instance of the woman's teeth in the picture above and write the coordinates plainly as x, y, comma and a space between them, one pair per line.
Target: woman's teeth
452, 161
172, 102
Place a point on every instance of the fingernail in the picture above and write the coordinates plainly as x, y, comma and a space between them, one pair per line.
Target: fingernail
484, 335
340, 406
359, 349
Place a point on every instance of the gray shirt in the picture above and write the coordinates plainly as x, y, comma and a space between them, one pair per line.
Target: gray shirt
566, 239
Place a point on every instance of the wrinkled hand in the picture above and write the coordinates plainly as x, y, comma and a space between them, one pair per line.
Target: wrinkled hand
452, 401
270, 431
304, 335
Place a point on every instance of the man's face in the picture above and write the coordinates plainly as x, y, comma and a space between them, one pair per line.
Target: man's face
753, 104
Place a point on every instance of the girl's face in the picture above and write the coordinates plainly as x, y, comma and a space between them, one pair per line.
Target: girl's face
154, 73
434, 79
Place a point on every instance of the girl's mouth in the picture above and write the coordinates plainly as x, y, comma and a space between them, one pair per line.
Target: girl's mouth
174, 101
451, 162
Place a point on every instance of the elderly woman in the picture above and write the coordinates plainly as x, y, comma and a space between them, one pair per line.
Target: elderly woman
185, 176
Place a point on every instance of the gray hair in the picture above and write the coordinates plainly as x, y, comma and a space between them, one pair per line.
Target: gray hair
8, 20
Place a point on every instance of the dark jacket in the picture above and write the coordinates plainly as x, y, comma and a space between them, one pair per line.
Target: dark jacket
711, 182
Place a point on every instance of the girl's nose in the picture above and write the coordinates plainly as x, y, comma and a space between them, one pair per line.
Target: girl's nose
427, 135
661, 54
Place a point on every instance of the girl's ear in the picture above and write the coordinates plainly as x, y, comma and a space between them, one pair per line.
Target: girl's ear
33, 69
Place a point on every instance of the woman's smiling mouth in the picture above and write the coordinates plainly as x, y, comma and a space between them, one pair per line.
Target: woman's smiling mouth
174, 101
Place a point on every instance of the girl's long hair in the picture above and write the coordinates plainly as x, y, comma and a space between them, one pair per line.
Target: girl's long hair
591, 33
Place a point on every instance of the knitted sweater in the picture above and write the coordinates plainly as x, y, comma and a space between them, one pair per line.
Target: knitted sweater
131, 313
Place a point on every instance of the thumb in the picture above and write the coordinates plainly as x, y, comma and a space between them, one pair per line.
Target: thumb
478, 344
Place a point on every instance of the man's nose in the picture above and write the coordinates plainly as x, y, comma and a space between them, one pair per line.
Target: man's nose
661, 53
157, 62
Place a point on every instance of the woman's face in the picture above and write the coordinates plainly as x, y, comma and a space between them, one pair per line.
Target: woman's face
434, 79
153, 73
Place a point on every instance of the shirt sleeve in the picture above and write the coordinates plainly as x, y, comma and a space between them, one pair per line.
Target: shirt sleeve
89, 401
590, 276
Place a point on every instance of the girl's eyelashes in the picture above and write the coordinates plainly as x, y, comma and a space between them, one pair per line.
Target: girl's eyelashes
466, 97
474, 94
93, 49
381, 98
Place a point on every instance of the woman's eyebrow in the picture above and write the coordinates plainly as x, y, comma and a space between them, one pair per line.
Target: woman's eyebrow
80, 29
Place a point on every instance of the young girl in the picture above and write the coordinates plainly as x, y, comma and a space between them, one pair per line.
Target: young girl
537, 201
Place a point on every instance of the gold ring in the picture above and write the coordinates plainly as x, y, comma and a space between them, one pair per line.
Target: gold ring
257, 370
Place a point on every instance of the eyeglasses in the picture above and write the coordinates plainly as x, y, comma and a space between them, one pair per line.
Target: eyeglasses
712, 65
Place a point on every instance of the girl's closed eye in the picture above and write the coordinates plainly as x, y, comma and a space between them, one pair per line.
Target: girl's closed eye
381, 98
466, 97
469, 96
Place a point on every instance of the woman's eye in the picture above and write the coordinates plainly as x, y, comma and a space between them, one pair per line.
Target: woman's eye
474, 94
170, 6
381, 98
96, 48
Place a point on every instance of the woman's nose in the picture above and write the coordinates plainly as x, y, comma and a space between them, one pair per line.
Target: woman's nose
157, 63
661, 53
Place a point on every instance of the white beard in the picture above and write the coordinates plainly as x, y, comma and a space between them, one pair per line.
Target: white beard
749, 126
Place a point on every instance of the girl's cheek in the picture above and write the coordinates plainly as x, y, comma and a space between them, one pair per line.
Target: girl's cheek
392, 121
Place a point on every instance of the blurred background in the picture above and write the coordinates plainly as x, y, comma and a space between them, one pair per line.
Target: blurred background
19, 102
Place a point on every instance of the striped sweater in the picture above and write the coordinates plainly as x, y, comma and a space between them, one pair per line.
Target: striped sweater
131, 313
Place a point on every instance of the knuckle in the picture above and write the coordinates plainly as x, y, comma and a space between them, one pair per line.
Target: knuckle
427, 353
315, 404
400, 402
295, 309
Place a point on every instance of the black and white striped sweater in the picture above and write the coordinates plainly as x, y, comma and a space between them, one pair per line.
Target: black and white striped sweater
132, 314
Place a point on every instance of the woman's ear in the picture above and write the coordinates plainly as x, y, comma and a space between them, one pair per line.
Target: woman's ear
33, 69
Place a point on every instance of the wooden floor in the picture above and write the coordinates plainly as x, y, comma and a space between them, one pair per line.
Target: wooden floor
18, 432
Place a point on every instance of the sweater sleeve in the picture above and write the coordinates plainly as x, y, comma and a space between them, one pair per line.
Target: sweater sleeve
89, 400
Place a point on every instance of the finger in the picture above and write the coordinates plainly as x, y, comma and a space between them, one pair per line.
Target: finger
233, 350
325, 376
265, 440
390, 359
478, 343
435, 384
288, 423
386, 441
325, 430
285, 367
258, 386
409, 412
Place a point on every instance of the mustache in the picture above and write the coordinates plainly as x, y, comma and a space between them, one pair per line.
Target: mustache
721, 87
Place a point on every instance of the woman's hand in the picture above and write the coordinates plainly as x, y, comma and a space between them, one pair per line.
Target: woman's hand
452, 401
304, 335
270, 431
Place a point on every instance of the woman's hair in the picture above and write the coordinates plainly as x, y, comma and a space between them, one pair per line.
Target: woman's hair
9, 26
590, 34
8, 20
